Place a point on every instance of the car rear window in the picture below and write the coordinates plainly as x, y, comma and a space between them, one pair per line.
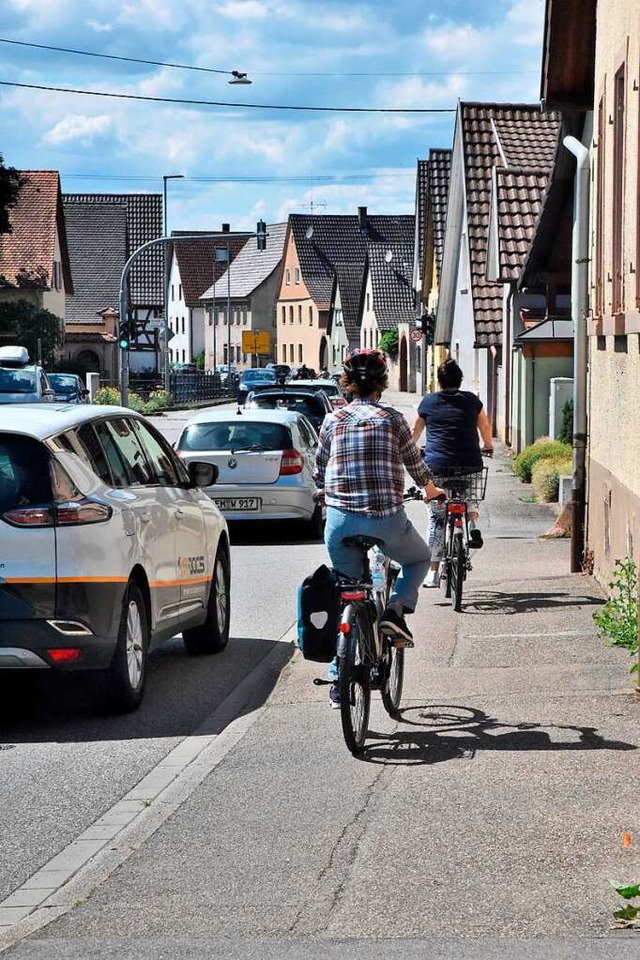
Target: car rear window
308, 406
234, 435
17, 381
24, 472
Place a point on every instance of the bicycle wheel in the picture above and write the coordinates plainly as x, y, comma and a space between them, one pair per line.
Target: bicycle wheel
392, 689
447, 557
354, 683
457, 571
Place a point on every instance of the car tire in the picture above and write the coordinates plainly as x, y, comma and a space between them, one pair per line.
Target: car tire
121, 686
213, 635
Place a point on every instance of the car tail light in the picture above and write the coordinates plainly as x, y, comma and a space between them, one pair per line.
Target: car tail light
29, 517
338, 402
73, 512
292, 462
65, 654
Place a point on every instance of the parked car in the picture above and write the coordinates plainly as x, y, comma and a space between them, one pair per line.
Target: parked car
265, 463
20, 380
186, 367
313, 405
330, 387
68, 387
253, 377
110, 546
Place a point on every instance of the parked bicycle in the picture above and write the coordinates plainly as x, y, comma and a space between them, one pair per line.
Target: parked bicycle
368, 659
462, 488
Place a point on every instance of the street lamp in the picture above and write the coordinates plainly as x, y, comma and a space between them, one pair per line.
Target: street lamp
165, 324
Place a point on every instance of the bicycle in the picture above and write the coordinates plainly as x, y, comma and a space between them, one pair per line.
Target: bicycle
368, 659
461, 486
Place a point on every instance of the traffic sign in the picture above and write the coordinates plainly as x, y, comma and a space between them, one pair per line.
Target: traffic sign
256, 341
415, 334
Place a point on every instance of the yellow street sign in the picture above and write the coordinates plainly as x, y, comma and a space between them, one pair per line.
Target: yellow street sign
256, 341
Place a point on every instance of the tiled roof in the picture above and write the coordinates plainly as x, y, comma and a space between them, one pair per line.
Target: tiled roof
391, 279
496, 135
144, 223
519, 200
97, 237
27, 253
439, 176
196, 262
422, 194
251, 266
349, 277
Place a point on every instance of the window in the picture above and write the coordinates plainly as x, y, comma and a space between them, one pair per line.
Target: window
368, 302
184, 358
244, 316
179, 291
299, 353
287, 276
127, 461
296, 274
291, 352
172, 293
599, 213
617, 294
57, 275
168, 471
284, 353
284, 314
299, 313
183, 324
24, 473
86, 445
310, 315
291, 314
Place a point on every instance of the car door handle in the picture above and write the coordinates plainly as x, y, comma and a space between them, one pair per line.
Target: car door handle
145, 516
179, 514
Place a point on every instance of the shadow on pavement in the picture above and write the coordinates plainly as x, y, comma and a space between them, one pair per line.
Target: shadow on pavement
497, 602
441, 732
182, 692
270, 533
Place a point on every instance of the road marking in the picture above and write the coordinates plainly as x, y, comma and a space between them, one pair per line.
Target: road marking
100, 849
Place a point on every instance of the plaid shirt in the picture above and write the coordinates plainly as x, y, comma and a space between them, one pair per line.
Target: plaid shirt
360, 458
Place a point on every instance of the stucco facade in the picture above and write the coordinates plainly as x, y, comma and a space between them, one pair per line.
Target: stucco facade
613, 467
301, 323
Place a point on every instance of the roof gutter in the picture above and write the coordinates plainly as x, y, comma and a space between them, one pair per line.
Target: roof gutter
579, 309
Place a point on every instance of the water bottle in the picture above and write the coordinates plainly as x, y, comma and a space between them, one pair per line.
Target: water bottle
378, 574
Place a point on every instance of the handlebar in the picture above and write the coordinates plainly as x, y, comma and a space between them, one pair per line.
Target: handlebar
415, 493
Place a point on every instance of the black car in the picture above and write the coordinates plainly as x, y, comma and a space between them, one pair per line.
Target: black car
254, 377
314, 406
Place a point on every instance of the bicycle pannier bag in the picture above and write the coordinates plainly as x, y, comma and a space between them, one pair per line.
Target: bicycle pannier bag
318, 615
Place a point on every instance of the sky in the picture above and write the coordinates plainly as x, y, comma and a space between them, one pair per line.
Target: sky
241, 164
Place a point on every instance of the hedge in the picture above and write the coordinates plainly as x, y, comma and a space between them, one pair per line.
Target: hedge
543, 448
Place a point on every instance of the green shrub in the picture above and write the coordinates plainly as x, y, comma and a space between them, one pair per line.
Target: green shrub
542, 449
158, 400
545, 476
617, 619
566, 430
110, 396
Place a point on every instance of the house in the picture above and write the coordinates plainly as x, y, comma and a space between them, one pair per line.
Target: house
146, 279
498, 148
430, 254
245, 301
343, 326
192, 267
590, 70
97, 239
34, 257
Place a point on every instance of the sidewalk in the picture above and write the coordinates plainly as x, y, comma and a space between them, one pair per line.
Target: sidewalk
484, 824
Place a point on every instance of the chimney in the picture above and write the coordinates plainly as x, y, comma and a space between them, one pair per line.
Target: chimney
362, 219
226, 227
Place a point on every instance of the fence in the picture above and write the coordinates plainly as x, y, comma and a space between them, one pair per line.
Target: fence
184, 386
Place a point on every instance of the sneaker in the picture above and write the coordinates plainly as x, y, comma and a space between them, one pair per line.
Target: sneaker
432, 579
334, 696
475, 539
395, 626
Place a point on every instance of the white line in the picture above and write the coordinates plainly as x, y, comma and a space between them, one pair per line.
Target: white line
91, 858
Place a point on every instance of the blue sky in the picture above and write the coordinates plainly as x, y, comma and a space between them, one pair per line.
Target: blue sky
403, 53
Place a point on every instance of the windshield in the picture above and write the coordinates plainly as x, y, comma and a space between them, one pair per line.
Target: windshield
235, 436
63, 382
17, 381
249, 375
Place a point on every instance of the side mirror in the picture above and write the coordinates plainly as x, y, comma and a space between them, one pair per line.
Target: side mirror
84, 393
202, 474
49, 395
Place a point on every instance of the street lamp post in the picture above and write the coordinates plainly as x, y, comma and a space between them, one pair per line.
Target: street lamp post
165, 322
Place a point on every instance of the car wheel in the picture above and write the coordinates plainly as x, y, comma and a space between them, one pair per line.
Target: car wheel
213, 635
121, 686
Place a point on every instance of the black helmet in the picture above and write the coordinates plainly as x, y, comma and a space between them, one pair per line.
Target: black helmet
365, 365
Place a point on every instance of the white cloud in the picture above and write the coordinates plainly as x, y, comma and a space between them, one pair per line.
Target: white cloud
243, 10
99, 27
78, 127
454, 41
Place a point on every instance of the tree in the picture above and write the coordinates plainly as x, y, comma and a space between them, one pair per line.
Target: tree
23, 323
10, 185
390, 343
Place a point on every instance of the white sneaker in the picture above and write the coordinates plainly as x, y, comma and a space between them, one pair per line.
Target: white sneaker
432, 579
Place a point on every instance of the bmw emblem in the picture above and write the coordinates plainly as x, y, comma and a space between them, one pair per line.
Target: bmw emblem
232, 463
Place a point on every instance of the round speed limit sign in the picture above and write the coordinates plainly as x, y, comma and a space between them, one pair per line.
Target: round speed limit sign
415, 335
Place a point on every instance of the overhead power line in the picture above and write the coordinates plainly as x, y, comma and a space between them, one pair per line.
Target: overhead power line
330, 178
188, 66
222, 103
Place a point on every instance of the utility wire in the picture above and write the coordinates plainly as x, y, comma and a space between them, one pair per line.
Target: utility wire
186, 66
322, 178
222, 103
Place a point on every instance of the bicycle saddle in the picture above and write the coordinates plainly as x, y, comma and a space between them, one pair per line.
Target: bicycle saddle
364, 542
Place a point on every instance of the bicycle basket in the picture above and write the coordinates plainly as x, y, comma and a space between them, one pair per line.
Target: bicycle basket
463, 484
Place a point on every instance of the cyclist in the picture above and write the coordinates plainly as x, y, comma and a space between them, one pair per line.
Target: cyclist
453, 418
362, 450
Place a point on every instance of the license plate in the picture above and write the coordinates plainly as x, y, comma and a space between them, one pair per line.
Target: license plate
230, 504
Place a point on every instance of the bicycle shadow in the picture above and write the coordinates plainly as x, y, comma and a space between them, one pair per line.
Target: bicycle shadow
495, 601
441, 732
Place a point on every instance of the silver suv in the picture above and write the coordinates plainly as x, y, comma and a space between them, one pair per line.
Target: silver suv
108, 546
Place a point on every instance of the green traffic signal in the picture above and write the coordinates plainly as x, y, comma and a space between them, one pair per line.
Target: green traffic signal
124, 341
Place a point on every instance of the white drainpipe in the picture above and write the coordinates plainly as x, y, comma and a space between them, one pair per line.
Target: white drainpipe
579, 310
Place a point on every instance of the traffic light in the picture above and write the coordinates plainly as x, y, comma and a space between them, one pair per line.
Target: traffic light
124, 335
427, 323
261, 235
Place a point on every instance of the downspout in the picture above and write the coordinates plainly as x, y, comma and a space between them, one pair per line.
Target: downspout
579, 309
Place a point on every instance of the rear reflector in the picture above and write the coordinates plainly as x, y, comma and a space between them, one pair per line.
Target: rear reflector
353, 595
65, 654
29, 517
456, 508
292, 462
